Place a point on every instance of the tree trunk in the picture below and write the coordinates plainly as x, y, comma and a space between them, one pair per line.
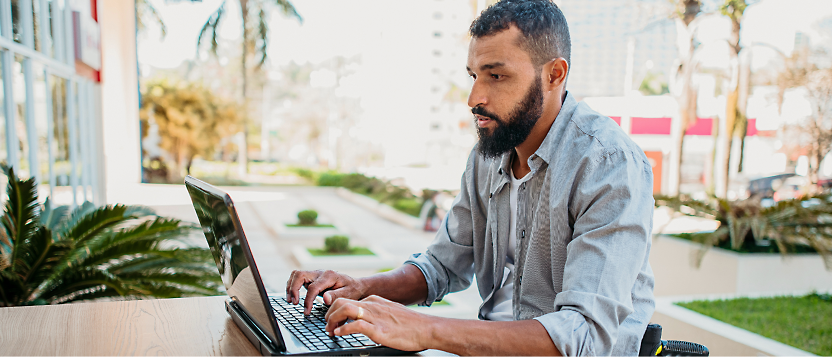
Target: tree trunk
732, 115
685, 93
243, 158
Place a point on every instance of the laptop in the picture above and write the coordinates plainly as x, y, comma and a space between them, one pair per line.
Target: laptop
273, 325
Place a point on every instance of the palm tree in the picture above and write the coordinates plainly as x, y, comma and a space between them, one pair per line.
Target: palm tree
146, 12
735, 123
255, 41
50, 256
687, 20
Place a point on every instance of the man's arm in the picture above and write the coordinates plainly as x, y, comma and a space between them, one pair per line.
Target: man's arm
396, 326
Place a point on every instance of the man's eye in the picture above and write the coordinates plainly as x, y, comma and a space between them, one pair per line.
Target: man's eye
496, 76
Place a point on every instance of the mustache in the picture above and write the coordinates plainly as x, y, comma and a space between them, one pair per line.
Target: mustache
482, 112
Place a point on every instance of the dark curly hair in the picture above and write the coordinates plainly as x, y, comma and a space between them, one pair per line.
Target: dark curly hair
545, 33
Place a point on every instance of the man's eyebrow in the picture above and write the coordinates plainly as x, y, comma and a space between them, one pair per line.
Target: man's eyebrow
488, 66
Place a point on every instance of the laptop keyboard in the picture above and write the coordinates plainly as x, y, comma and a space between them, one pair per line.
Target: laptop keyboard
311, 329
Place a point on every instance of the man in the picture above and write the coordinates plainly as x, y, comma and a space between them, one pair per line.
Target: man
553, 217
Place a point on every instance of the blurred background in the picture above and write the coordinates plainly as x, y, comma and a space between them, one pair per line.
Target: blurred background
353, 117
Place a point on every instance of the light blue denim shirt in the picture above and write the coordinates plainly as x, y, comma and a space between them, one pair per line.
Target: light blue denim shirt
584, 224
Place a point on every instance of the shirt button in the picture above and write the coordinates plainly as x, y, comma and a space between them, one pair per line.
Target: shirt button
490, 194
523, 234
521, 280
524, 185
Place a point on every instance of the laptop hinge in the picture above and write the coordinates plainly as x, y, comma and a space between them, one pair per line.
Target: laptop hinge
251, 330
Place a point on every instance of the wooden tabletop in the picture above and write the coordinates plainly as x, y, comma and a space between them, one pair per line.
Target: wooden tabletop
187, 326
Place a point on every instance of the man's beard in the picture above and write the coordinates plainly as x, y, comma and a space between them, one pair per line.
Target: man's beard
512, 132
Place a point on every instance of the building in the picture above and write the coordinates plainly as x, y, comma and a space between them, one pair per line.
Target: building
70, 96
616, 44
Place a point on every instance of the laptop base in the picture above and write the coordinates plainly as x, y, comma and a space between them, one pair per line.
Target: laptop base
262, 344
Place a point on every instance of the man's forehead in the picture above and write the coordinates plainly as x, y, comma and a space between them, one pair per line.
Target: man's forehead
501, 49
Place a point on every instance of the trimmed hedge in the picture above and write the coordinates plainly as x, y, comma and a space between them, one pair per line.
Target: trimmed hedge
399, 198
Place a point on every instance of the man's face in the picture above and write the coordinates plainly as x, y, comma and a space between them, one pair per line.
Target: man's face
506, 99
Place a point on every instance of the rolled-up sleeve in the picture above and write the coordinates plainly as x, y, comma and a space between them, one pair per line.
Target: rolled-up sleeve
448, 263
612, 206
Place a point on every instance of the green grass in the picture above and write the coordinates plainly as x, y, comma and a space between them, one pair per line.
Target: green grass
353, 251
803, 322
311, 225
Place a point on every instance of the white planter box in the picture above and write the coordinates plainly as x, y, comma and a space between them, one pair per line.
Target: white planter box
380, 260
725, 272
286, 232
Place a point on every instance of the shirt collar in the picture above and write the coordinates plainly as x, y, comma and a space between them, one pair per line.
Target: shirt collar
543, 154
545, 150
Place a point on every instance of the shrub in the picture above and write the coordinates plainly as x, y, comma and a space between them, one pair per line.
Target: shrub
337, 244
331, 178
792, 225
411, 206
307, 217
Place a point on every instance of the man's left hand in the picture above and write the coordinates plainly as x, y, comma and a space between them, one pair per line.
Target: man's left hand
383, 321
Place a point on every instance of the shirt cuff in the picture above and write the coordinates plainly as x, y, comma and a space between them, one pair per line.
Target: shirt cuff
570, 332
422, 262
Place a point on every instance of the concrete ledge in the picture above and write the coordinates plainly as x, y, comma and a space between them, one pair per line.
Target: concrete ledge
380, 260
284, 231
383, 210
732, 273
720, 338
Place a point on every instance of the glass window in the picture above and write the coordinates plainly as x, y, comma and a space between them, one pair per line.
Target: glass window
17, 21
41, 121
60, 131
4, 157
19, 91
36, 24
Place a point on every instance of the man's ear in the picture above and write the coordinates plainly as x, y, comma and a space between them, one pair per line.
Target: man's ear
555, 73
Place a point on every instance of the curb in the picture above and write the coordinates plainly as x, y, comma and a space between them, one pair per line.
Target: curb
383, 210
306, 232
380, 260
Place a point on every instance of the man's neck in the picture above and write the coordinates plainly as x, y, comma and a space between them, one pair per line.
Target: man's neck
520, 163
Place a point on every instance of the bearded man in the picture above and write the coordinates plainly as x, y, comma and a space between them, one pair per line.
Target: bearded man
553, 218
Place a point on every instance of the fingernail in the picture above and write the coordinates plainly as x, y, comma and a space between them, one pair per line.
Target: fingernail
337, 331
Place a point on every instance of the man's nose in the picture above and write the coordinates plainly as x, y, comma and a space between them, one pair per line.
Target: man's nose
478, 96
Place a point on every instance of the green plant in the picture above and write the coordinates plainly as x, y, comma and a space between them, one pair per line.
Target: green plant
49, 255
411, 206
330, 178
337, 244
789, 224
191, 121
307, 217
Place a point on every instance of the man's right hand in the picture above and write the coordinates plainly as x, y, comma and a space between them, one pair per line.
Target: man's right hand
332, 284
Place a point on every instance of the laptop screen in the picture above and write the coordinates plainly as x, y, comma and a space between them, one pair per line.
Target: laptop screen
229, 247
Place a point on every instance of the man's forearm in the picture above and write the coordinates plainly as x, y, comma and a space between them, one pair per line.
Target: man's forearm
406, 285
490, 338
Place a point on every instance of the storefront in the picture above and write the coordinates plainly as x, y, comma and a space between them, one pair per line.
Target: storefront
52, 95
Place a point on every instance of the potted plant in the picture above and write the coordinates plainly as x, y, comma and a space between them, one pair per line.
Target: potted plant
51, 255
338, 254
339, 245
753, 250
307, 226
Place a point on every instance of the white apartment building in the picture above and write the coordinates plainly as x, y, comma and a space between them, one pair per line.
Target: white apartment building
605, 33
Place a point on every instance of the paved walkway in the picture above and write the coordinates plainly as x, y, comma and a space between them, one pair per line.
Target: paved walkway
264, 209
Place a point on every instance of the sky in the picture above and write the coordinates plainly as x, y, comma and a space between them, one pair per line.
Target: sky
347, 28
332, 26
